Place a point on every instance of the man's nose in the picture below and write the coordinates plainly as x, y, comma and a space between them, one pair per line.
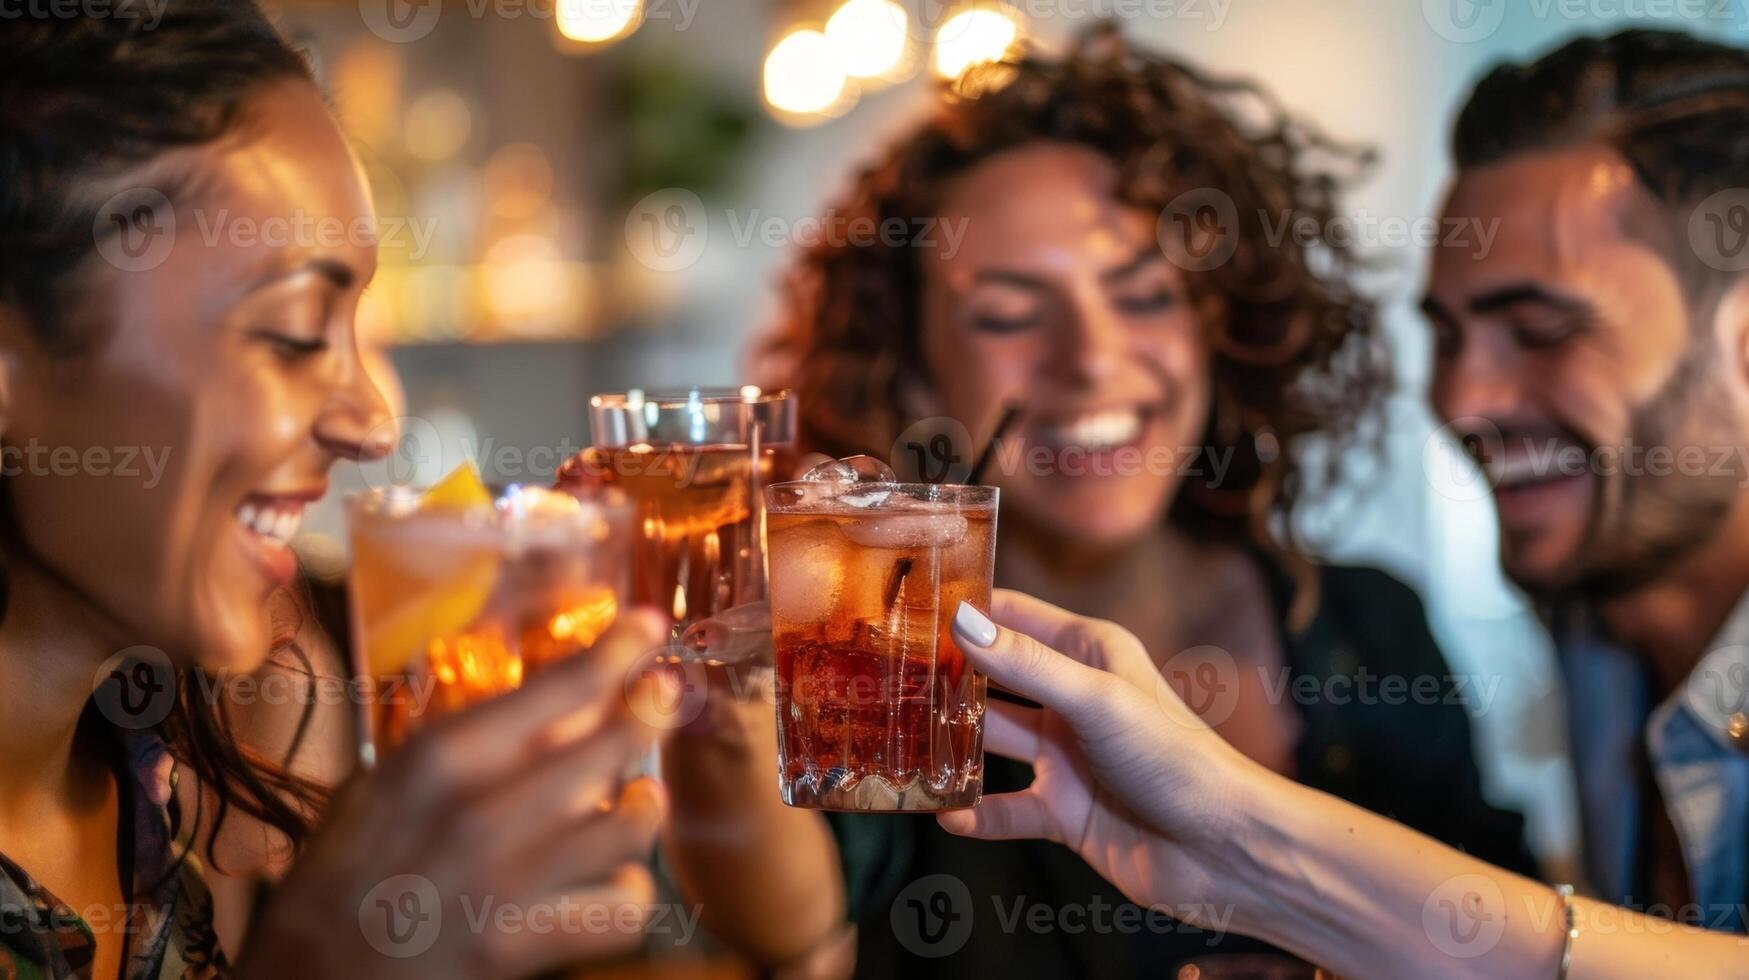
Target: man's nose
1483, 379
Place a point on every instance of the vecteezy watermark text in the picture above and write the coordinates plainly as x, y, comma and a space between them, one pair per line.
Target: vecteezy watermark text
406, 21
147, 12
145, 463
403, 916
669, 230
934, 916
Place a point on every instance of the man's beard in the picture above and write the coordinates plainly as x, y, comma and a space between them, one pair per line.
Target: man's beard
1643, 524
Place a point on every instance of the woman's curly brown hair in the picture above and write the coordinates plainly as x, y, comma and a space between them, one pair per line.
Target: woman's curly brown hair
1296, 350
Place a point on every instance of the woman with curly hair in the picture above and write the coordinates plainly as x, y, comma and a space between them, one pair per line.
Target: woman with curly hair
1104, 253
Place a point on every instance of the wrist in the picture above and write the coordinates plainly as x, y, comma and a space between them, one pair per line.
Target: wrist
1252, 855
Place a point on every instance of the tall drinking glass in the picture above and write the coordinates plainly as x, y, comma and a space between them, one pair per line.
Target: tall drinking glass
693, 464
877, 709
458, 594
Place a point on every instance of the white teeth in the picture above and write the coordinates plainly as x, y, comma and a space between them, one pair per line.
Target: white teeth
275, 523
1515, 470
1098, 430
1527, 469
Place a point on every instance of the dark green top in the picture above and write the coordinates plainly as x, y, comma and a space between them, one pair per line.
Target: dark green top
930, 904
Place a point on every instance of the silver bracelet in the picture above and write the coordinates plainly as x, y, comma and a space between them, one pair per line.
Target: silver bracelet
1570, 920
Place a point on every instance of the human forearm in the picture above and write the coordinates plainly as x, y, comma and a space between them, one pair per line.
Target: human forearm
1367, 897
765, 875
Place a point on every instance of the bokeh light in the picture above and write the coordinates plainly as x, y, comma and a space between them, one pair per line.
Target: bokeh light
598, 21
869, 39
804, 76
518, 181
974, 37
437, 125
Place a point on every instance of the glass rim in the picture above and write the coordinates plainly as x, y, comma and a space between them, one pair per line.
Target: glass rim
682, 397
398, 504
699, 416
974, 493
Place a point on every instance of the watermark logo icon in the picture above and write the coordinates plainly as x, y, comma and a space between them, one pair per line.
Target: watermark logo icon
415, 456
1721, 684
1199, 229
932, 916
135, 688
679, 695
667, 231
1206, 678
1718, 230
1465, 916
401, 21
135, 229
934, 450
402, 916
1455, 471
1464, 21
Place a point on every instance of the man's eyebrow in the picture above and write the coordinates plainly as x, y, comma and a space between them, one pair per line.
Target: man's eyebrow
1433, 309
1519, 294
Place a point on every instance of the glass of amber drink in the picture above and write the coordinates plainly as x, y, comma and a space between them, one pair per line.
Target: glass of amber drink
876, 707
693, 464
459, 593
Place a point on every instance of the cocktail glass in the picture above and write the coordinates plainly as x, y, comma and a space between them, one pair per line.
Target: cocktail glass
693, 464
459, 593
877, 709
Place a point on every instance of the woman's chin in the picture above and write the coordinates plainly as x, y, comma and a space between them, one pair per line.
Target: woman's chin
234, 640
1099, 529
1083, 513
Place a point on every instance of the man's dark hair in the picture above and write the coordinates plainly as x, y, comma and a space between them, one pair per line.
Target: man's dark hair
1674, 106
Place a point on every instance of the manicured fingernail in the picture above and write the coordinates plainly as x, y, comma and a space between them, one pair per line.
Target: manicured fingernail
973, 625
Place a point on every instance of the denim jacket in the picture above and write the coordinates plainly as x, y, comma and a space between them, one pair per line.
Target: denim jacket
1697, 745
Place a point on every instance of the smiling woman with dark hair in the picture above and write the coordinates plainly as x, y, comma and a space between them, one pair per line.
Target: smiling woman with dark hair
119, 328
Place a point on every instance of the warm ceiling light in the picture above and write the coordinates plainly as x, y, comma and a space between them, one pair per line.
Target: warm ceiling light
803, 74
869, 37
973, 37
597, 21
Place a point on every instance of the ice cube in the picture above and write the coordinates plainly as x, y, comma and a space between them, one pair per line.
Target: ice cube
852, 469
538, 502
807, 564
908, 531
871, 498
831, 471
869, 469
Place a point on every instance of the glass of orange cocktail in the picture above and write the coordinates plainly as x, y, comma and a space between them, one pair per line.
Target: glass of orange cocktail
460, 592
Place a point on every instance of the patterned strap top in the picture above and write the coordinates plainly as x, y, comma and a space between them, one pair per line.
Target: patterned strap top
167, 924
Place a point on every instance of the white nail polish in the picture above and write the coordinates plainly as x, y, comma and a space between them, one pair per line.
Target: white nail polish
974, 625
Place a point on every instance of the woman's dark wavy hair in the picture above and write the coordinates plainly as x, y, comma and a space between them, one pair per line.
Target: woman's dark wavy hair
1296, 347
87, 98
1674, 106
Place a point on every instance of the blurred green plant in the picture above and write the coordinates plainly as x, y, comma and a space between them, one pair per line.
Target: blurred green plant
682, 130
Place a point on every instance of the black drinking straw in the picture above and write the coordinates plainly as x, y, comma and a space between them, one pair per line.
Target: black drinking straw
988, 456
902, 567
